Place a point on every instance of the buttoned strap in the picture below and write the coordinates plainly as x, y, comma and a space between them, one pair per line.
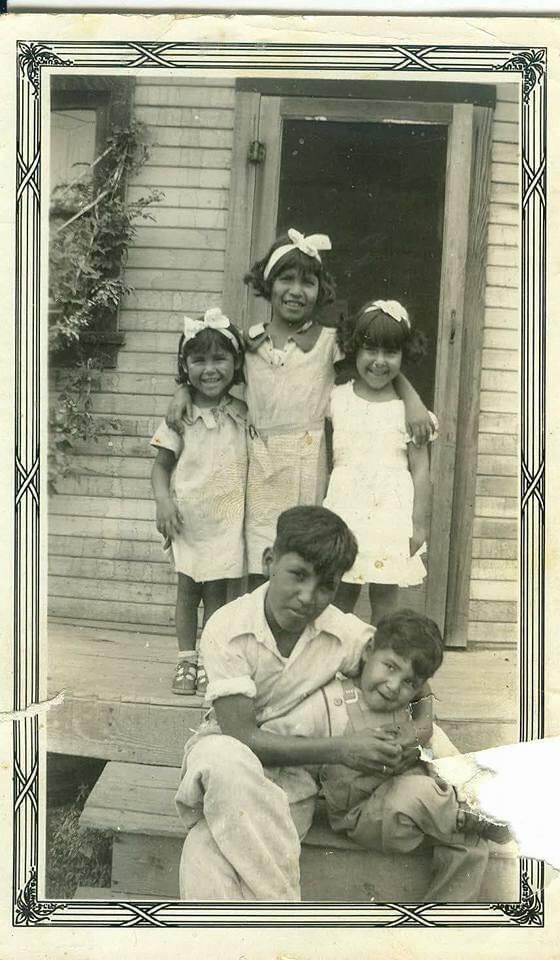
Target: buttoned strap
335, 705
350, 694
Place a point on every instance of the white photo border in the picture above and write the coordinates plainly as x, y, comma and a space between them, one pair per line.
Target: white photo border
31, 58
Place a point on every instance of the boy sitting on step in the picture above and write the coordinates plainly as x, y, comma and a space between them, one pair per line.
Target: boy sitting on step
399, 812
247, 794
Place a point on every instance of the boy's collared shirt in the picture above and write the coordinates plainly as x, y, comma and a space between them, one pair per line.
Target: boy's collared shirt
241, 657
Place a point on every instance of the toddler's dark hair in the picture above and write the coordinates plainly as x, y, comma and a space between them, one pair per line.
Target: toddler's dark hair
413, 636
209, 339
296, 258
375, 328
319, 536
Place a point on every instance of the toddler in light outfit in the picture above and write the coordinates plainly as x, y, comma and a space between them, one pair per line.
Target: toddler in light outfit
399, 812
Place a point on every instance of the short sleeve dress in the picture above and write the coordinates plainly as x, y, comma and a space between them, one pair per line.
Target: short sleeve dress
371, 487
287, 394
208, 484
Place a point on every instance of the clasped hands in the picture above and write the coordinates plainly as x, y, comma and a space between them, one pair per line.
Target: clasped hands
380, 753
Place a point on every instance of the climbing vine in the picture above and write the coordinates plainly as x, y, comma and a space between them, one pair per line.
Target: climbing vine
92, 224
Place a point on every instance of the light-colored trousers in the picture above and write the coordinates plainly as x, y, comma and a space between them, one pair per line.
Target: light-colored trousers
244, 835
412, 811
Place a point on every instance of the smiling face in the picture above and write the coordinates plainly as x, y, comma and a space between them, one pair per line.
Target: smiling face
296, 594
378, 366
388, 680
294, 295
210, 373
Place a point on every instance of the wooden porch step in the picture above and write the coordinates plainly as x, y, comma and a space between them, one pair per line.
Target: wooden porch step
118, 703
136, 803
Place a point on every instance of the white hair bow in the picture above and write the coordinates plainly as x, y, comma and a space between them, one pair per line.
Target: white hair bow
309, 245
392, 308
213, 319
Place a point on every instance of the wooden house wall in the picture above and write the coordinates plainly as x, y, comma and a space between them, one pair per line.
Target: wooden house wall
106, 562
105, 558
494, 571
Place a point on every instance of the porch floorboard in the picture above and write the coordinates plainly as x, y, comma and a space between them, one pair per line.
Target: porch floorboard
118, 704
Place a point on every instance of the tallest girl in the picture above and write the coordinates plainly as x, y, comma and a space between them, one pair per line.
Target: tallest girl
289, 374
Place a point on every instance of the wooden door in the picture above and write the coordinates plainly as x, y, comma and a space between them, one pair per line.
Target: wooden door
255, 216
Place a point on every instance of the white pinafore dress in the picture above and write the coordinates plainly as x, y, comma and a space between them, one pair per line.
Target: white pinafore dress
371, 487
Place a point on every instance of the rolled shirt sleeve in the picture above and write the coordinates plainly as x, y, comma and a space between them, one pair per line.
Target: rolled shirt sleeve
225, 659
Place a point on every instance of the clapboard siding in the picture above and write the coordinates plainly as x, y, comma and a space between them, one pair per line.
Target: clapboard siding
106, 558
494, 574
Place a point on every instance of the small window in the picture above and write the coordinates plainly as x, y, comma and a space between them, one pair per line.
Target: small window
72, 145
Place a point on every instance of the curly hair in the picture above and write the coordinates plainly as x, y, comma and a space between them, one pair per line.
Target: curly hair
375, 328
413, 636
209, 339
294, 258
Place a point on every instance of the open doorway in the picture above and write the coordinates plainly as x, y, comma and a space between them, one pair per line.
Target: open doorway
402, 187
378, 190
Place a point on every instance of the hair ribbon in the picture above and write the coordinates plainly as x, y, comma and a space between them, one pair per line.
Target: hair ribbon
392, 308
309, 245
213, 319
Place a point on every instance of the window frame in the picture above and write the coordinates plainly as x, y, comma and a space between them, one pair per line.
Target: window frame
111, 97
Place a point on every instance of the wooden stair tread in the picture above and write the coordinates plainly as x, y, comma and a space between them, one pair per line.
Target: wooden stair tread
134, 798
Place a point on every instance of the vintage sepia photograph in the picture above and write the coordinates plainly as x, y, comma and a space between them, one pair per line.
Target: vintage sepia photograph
290, 311
372, 219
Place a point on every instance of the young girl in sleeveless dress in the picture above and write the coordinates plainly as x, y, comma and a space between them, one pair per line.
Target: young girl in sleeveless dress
380, 483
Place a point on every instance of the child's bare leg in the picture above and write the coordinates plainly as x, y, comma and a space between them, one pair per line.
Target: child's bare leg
383, 600
186, 622
214, 596
347, 596
189, 594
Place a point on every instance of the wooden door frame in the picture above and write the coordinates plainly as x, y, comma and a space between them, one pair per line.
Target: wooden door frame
252, 225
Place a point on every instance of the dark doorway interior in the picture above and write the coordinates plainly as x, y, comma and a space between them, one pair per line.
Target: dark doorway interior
378, 190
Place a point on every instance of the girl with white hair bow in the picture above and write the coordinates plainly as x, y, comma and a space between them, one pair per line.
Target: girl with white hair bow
289, 374
380, 483
199, 479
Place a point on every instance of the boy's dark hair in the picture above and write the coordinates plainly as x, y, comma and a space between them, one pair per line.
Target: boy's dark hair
413, 636
319, 536
208, 339
375, 328
296, 258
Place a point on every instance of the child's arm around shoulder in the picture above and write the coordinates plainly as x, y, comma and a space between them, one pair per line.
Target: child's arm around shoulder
180, 408
369, 752
418, 421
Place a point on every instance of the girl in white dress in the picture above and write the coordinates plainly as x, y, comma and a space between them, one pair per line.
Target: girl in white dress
380, 483
199, 479
289, 374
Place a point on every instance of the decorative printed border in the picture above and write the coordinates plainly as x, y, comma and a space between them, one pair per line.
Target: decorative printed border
32, 57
